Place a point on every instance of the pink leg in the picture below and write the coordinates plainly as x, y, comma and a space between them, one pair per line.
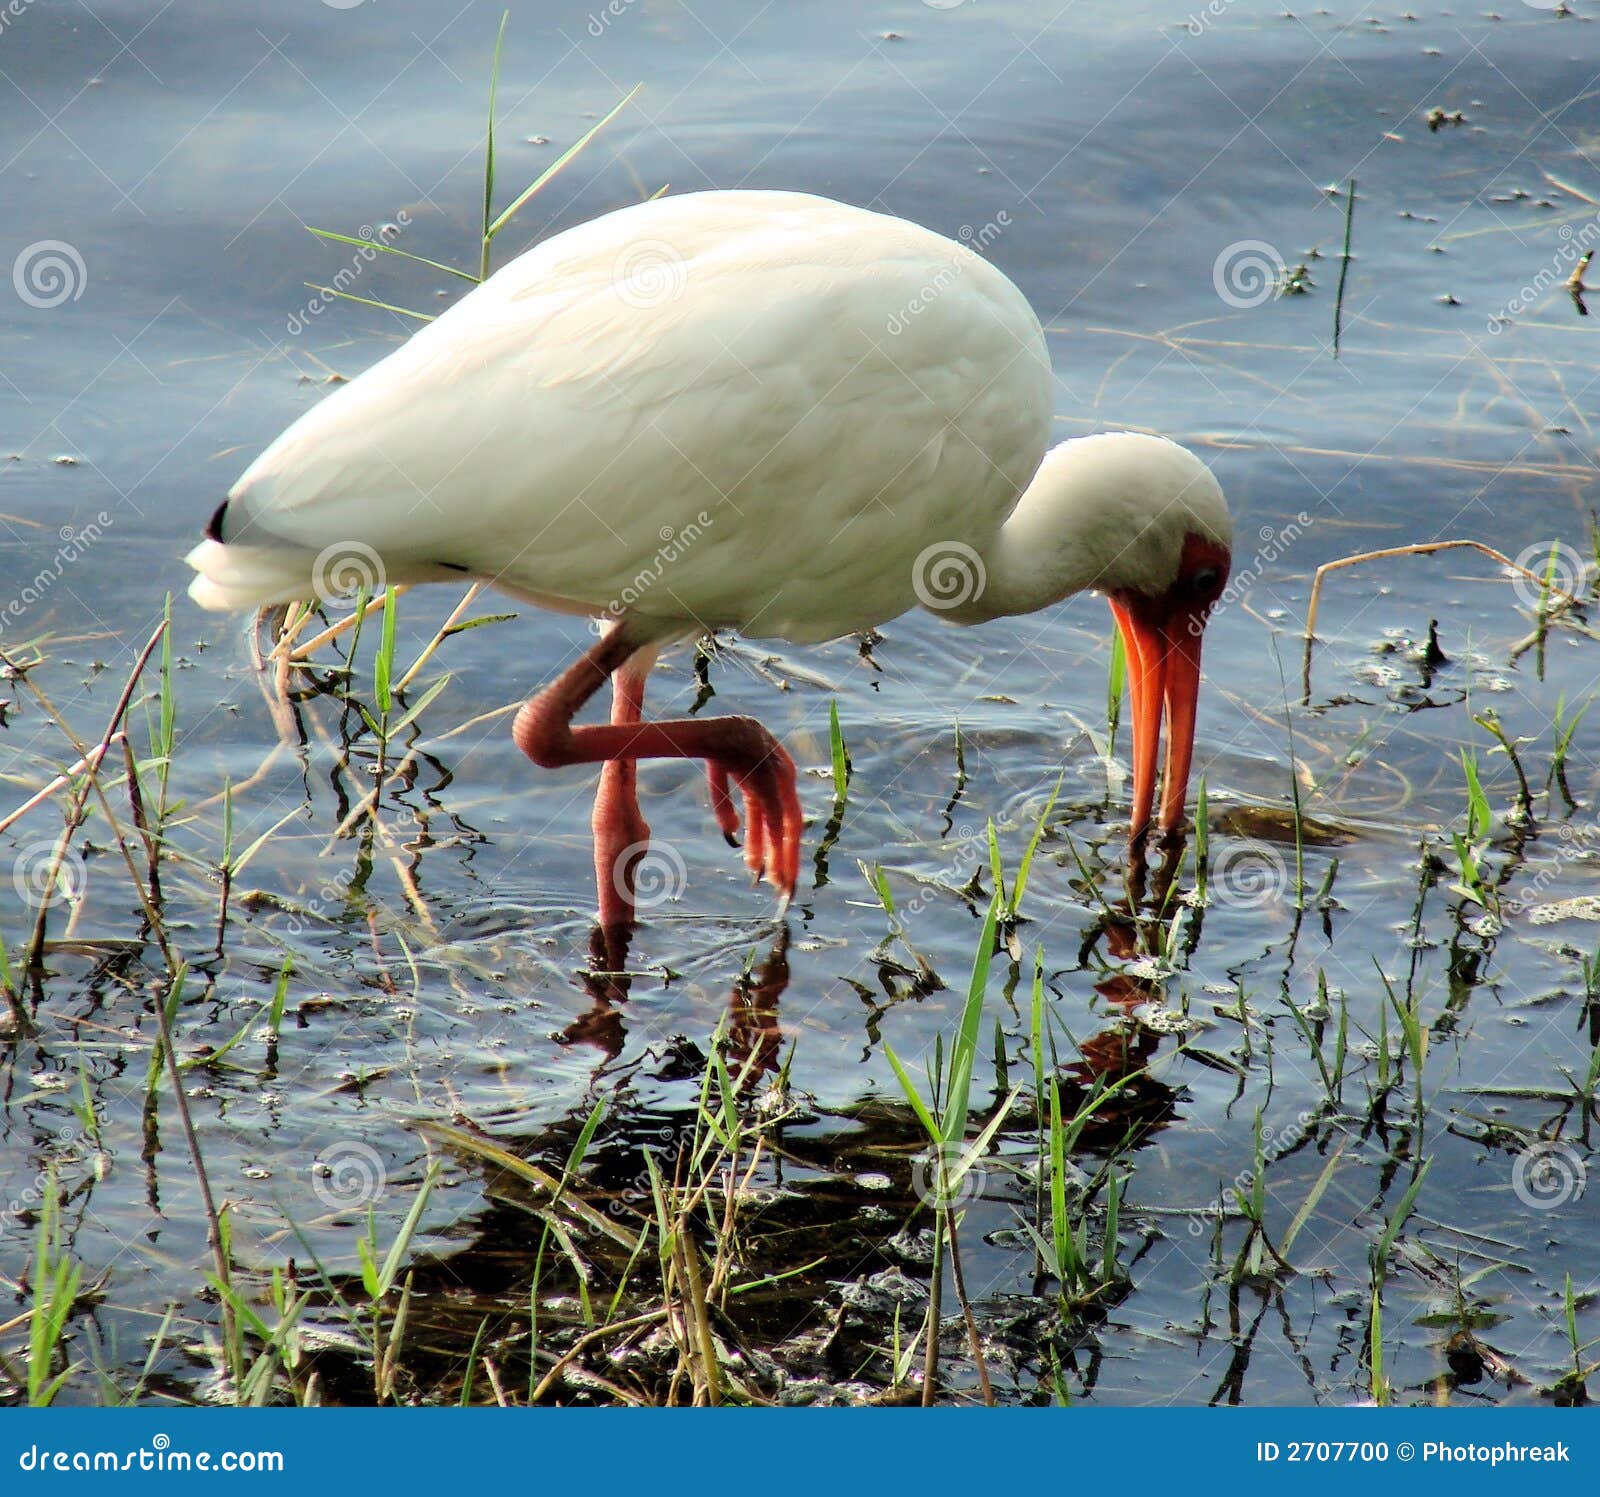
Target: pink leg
738, 750
621, 834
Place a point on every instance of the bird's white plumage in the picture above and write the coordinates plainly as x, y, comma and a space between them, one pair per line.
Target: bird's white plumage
790, 396
1112, 512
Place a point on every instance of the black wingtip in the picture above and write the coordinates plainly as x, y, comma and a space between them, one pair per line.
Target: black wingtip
214, 524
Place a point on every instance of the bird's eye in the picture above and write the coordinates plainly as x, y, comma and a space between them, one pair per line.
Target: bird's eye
1205, 580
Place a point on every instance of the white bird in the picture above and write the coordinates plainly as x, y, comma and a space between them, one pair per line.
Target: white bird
758, 411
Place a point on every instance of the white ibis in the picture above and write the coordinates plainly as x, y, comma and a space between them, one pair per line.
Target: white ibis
757, 411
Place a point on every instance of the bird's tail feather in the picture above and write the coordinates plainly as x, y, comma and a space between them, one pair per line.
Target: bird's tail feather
240, 577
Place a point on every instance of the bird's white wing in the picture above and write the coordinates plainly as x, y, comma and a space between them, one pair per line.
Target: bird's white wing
732, 408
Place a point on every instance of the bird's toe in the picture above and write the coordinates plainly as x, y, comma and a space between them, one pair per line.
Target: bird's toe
722, 807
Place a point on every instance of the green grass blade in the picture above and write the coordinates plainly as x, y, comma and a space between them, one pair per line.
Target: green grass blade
913, 1096
1309, 1205
1116, 681
554, 167
1479, 816
1033, 846
413, 713
1398, 1220
378, 244
383, 665
488, 151
367, 301
408, 1229
841, 759
965, 1054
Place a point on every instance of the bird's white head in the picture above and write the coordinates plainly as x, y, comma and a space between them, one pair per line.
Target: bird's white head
1136, 511
1143, 521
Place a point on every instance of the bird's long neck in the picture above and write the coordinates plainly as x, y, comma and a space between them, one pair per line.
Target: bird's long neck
1112, 511
1047, 549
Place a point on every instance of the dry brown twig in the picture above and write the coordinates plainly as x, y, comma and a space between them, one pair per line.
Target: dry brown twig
1421, 548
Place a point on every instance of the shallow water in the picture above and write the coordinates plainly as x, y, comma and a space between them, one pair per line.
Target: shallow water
1113, 162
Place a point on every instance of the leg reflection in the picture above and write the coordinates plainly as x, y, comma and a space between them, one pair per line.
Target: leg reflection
606, 980
755, 1038
1157, 881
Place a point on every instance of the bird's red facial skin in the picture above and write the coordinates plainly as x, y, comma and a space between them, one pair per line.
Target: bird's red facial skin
1162, 636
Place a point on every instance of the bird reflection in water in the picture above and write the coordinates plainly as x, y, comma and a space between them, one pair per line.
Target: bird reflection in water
1120, 1054
754, 1037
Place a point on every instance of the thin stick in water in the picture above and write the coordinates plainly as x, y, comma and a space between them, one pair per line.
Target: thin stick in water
1344, 266
1422, 548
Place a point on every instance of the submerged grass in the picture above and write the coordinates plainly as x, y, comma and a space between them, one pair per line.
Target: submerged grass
694, 1229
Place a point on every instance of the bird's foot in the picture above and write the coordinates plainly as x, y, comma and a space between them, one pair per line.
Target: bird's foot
773, 821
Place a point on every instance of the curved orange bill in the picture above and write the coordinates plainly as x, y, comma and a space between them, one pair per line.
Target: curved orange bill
1162, 641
